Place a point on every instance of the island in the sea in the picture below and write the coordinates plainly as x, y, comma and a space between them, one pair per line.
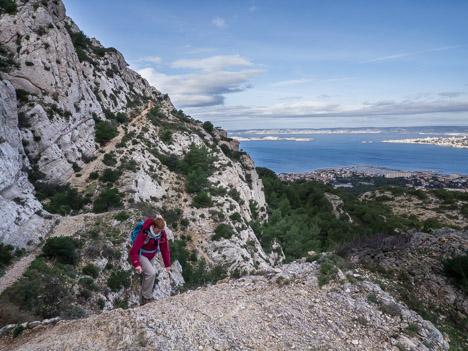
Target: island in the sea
457, 142
270, 137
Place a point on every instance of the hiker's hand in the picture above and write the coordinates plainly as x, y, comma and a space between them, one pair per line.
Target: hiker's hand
168, 269
139, 270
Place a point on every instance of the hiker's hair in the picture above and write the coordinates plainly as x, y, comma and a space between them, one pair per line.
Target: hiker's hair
159, 223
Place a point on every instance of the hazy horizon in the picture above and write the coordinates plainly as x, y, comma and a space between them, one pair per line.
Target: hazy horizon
301, 64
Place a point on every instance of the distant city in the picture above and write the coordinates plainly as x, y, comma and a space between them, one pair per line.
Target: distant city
461, 142
413, 179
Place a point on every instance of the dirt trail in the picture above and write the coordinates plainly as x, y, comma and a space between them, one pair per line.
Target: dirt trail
67, 226
80, 183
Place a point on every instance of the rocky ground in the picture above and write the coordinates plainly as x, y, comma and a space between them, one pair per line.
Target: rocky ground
428, 208
284, 309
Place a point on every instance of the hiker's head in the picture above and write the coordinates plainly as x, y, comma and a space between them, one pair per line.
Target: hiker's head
158, 224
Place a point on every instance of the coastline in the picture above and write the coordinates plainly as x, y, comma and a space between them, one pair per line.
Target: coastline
421, 179
459, 143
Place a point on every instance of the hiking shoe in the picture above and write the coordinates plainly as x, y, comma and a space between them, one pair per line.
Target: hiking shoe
144, 300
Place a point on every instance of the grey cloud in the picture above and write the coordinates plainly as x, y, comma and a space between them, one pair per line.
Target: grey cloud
452, 94
309, 109
204, 89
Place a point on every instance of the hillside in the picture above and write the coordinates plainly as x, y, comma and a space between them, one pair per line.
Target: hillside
88, 148
283, 309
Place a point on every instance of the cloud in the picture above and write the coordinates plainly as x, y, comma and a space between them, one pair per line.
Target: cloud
213, 63
291, 82
200, 50
218, 22
152, 59
317, 109
252, 8
406, 54
452, 94
203, 89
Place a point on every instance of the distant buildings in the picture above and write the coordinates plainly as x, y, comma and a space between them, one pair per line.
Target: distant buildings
413, 179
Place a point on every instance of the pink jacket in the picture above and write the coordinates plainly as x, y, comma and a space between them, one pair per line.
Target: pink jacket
150, 246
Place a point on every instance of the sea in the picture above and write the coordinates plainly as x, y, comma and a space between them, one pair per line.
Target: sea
341, 149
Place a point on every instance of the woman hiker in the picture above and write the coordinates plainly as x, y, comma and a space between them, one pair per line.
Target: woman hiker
151, 239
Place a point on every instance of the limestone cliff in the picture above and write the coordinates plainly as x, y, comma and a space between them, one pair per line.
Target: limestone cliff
51, 103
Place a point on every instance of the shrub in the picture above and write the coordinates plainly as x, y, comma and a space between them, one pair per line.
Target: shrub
208, 126
327, 271
18, 330
372, 298
88, 283
75, 167
5, 255
202, 199
119, 279
7, 6
198, 159
108, 198
7, 61
110, 176
457, 269
166, 136
105, 132
63, 249
63, 199
122, 216
236, 217
109, 160
94, 175
91, 270
196, 181
223, 231
253, 205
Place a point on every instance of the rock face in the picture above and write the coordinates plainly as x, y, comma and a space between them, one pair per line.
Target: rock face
19, 221
50, 104
282, 310
416, 259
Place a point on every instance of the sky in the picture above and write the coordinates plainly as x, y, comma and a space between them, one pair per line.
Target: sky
296, 63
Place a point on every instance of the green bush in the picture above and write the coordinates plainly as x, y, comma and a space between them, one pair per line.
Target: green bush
202, 199
7, 6
108, 198
208, 126
110, 176
198, 159
457, 269
91, 270
236, 217
196, 181
327, 271
63, 249
122, 216
119, 279
105, 132
109, 160
94, 175
19, 329
63, 198
166, 136
223, 231
7, 61
5, 255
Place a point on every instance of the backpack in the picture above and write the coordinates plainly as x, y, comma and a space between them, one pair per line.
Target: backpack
136, 230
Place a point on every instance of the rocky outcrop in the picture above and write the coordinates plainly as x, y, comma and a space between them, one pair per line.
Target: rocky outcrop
282, 310
19, 209
416, 259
